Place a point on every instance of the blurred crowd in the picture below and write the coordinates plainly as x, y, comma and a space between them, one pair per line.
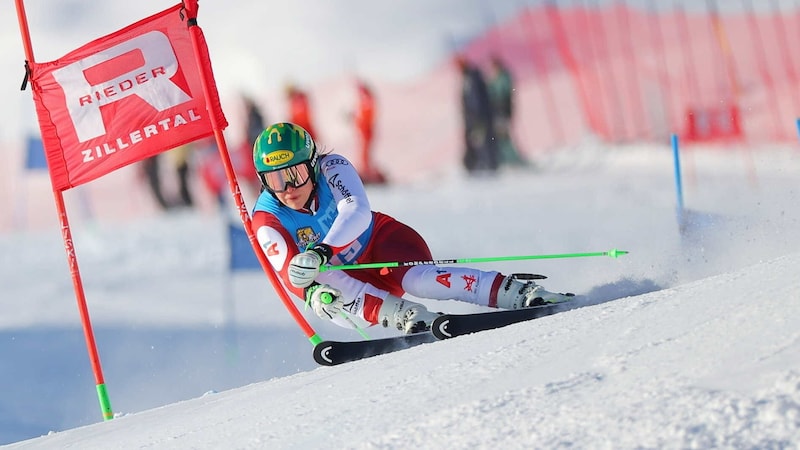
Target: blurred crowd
487, 113
169, 175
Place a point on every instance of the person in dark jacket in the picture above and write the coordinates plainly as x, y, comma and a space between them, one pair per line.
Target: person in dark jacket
501, 92
480, 149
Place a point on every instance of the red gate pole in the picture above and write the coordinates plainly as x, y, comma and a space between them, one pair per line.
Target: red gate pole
72, 259
206, 78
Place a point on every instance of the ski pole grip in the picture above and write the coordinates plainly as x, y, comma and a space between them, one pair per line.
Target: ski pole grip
326, 298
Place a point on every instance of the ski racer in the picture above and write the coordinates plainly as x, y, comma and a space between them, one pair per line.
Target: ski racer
313, 210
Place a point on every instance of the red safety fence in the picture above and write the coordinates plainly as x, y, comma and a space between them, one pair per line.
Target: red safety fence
640, 74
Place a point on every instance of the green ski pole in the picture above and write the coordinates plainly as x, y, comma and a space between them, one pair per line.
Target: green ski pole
614, 253
327, 298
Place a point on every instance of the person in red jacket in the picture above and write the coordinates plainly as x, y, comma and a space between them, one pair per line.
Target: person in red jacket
364, 119
299, 108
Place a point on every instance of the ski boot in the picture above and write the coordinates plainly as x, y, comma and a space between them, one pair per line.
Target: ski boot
406, 316
520, 291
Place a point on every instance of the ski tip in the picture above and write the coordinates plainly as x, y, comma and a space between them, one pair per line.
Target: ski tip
439, 328
322, 354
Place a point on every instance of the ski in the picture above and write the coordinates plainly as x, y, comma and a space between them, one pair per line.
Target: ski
452, 325
331, 353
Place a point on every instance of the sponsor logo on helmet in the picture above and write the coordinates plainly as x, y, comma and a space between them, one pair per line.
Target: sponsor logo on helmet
277, 157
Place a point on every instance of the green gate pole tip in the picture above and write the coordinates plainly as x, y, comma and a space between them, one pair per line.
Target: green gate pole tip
616, 253
105, 404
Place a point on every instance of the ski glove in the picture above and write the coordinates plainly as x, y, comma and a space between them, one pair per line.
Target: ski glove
326, 301
304, 267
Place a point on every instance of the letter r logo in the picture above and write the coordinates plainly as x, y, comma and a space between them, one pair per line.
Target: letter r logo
141, 66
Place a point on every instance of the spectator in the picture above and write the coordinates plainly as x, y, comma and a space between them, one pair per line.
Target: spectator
210, 166
243, 162
364, 119
254, 120
152, 173
480, 151
501, 91
179, 159
299, 108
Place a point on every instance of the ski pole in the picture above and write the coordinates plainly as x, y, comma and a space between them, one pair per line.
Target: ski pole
327, 298
614, 253
355, 326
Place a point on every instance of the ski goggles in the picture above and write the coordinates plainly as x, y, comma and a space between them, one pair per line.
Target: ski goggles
280, 180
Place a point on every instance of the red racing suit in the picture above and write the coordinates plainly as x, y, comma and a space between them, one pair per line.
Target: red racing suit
340, 217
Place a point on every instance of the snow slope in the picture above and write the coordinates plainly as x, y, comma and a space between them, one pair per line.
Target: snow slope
710, 364
690, 341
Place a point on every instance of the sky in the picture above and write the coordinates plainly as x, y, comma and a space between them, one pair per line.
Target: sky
689, 341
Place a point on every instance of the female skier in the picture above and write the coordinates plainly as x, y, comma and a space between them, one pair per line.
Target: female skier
313, 210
